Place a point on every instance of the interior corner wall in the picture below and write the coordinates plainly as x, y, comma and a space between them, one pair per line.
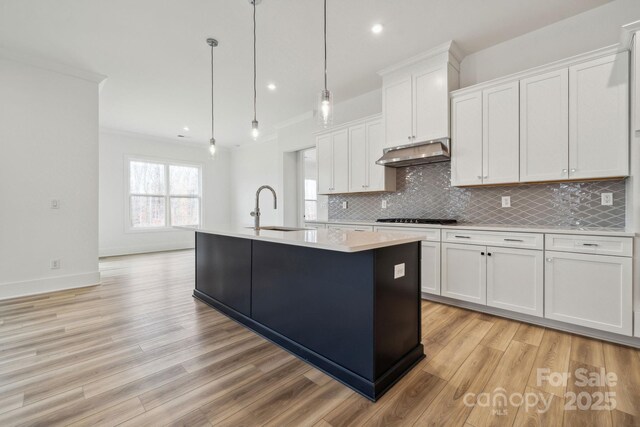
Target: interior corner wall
263, 163
590, 30
115, 147
49, 141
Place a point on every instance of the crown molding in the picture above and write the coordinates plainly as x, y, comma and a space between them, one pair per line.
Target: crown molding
627, 32
450, 47
50, 65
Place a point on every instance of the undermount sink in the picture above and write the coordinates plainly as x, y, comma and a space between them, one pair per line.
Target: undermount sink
277, 228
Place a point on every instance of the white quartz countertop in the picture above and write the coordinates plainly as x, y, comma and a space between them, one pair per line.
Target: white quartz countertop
591, 231
330, 239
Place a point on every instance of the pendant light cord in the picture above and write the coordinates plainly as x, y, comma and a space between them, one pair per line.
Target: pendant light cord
325, 45
254, 61
212, 115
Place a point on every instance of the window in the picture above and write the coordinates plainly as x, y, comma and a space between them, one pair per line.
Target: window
163, 194
309, 173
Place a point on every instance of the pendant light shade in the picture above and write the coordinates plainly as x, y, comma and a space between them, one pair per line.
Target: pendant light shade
325, 99
255, 131
212, 142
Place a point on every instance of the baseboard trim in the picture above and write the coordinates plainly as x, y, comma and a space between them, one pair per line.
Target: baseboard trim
49, 284
636, 329
107, 252
540, 321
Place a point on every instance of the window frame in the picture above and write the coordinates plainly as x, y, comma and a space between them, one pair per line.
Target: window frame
167, 163
300, 180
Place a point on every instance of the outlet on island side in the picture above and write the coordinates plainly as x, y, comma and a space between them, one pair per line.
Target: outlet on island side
606, 199
54, 264
506, 201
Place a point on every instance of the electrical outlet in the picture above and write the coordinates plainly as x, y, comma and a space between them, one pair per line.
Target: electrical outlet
398, 271
55, 204
607, 199
384, 204
344, 205
54, 264
506, 201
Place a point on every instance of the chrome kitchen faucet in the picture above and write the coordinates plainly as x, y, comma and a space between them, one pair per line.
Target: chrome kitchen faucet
256, 213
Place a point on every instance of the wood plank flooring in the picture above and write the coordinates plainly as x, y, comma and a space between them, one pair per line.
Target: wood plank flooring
139, 350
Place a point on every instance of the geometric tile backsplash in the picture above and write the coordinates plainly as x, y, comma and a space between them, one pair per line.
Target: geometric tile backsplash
424, 191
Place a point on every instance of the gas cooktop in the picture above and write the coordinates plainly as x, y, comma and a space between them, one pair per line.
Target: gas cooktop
417, 221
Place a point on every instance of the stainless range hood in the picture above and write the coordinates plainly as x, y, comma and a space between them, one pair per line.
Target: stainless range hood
416, 154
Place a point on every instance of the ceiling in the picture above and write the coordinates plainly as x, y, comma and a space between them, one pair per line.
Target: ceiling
157, 61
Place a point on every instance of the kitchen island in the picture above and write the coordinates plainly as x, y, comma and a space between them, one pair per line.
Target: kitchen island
346, 302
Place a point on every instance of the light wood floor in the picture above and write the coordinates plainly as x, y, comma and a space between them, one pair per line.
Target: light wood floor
139, 350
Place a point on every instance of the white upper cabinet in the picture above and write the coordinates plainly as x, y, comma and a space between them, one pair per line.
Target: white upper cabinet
544, 127
415, 96
379, 178
347, 156
599, 117
566, 121
324, 145
466, 139
500, 134
430, 104
397, 111
340, 142
358, 173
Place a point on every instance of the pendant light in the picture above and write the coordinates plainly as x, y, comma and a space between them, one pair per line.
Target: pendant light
255, 132
325, 99
212, 142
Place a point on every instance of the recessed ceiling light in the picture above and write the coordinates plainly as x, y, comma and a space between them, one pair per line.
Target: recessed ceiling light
271, 86
377, 29
186, 129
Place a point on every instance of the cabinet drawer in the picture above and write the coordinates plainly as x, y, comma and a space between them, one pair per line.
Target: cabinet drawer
431, 234
351, 227
600, 245
494, 238
314, 225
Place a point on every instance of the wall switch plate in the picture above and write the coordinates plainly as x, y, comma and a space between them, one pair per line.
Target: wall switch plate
398, 271
607, 199
54, 264
506, 201
55, 204
344, 205
384, 204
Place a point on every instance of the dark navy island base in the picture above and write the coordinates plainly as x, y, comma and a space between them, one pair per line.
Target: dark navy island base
342, 312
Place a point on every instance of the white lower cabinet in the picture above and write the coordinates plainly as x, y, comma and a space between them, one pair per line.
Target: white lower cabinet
315, 225
515, 280
464, 272
430, 281
589, 290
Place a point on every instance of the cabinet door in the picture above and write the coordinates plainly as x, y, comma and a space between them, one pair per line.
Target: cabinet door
358, 161
464, 272
501, 134
544, 127
430, 282
340, 141
466, 139
379, 178
324, 145
599, 118
515, 280
397, 112
589, 290
430, 104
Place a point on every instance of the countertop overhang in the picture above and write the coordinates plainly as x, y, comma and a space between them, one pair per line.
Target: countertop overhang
329, 239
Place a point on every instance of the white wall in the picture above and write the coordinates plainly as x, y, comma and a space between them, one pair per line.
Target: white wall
115, 238
49, 150
581, 33
267, 162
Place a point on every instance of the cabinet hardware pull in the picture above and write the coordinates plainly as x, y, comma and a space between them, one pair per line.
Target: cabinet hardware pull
489, 253
589, 244
513, 240
549, 259
409, 138
573, 170
564, 171
462, 237
486, 176
482, 253
479, 176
